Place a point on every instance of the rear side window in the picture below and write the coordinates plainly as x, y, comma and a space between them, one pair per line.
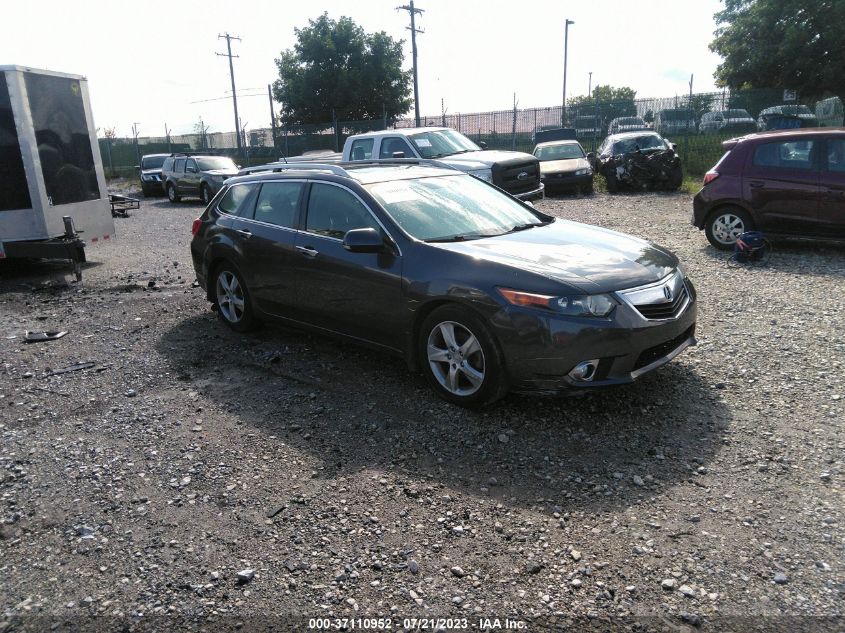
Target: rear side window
168, 164
332, 211
785, 155
236, 200
179, 166
836, 155
362, 149
278, 203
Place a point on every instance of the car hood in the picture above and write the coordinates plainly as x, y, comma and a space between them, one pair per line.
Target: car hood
585, 257
221, 172
568, 164
484, 158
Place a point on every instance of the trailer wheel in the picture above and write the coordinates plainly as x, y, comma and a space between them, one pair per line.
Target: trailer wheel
171, 193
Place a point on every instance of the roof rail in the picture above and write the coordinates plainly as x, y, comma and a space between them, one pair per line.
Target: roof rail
337, 170
375, 162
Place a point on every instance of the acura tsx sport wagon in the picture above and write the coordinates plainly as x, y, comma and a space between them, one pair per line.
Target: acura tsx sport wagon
480, 291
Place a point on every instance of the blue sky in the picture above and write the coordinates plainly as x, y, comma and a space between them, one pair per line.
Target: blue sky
154, 63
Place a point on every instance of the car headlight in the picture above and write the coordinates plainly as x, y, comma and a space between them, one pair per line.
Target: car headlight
583, 172
600, 305
483, 174
147, 178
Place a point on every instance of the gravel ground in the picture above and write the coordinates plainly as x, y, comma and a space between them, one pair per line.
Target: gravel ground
191, 472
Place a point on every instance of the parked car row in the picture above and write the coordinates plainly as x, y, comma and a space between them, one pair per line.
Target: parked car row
184, 174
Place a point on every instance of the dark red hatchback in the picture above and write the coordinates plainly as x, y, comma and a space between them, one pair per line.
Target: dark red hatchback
789, 183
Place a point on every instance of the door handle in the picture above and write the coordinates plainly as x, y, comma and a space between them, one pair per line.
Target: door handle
309, 251
757, 183
244, 233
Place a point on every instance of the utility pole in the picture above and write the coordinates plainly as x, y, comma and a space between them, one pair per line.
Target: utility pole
590, 86
414, 30
167, 134
272, 116
565, 51
228, 54
135, 134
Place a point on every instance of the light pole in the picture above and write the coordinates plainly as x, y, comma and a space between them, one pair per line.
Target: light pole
565, 50
590, 86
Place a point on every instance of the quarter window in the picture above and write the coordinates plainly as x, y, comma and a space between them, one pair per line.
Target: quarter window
836, 155
179, 166
332, 211
785, 155
278, 202
235, 201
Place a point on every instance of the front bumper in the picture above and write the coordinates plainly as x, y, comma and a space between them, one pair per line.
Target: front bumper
541, 349
534, 194
566, 180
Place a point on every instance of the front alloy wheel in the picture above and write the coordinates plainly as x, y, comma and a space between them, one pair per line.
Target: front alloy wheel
171, 193
460, 359
232, 300
725, 226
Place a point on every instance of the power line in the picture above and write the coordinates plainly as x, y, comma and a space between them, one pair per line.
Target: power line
228, 54
414, 30
242, 95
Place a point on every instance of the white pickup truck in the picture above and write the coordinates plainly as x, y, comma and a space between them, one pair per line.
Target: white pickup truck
515, 172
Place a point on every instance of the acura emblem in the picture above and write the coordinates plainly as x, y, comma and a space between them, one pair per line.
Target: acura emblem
522, 175
667, 292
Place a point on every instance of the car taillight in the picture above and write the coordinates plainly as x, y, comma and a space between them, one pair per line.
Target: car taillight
710, 176
195, 227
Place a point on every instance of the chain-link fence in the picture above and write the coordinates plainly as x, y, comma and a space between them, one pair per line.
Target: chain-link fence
696, 123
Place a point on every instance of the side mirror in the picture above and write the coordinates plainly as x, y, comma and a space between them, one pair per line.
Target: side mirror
363, 241
482, 144
191, 170
398, 155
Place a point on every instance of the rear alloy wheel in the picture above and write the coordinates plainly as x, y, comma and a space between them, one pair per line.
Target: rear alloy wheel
725, 225
232, 299
460, 359
205, 194
171, 193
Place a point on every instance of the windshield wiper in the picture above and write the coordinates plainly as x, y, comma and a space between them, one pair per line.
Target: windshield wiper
460, 237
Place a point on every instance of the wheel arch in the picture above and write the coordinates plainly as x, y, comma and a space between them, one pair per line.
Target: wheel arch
724, 204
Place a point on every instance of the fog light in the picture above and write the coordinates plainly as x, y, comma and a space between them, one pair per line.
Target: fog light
585, 371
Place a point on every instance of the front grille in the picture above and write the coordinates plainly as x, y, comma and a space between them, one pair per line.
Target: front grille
652, 354
667, 309
506, 176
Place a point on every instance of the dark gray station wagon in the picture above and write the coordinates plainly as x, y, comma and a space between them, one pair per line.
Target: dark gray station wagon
480, 291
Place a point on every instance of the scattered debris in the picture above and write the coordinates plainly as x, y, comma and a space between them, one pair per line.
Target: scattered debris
37, 337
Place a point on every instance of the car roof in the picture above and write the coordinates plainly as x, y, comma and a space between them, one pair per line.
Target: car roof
363, 174
407, 131
148, 155
801, 131
623, 135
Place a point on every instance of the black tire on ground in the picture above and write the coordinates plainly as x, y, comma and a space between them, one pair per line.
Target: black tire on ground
460, 358
612, 183
725, 224
171, 193
676, 178
231, 298
205, 193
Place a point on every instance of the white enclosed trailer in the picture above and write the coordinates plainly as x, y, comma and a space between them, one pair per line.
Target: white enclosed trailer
53, 196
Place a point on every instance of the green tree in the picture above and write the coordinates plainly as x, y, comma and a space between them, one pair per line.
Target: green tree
337, 68
787, 44
606, 101
699, 104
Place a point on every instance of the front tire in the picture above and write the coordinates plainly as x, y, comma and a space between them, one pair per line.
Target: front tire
232, 299
724, 226
460, 359
171, 193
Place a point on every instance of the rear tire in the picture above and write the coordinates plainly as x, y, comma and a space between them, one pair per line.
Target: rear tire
171, 193
231, 298
723, 226
460, 359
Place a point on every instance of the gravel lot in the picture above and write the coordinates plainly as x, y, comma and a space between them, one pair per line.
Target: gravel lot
142, 484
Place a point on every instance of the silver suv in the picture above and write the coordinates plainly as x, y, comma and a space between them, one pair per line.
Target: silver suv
197, 175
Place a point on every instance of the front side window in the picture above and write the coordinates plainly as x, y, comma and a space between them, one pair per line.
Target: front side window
191, 167
332, 211
451, 208
278, 203
785, 155
235, 201
391, 145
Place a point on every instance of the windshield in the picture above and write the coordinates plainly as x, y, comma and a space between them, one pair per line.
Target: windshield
559, 152
736, 114
152, 162
446, 208
650, 141
438, 143
216, 162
